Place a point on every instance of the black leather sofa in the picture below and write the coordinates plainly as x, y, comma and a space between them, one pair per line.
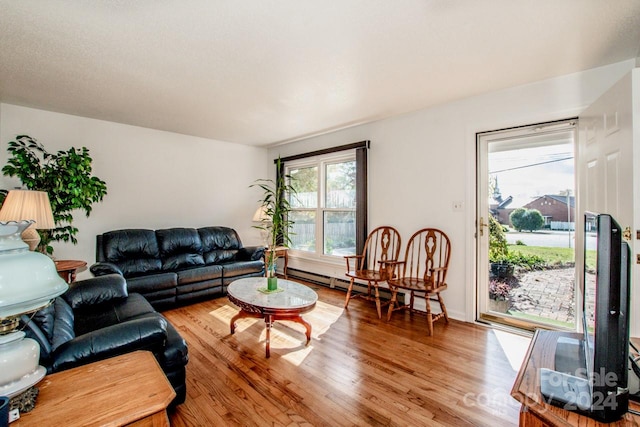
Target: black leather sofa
96, 319
174, 266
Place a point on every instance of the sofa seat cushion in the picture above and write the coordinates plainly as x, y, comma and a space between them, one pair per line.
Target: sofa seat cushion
240, 268
133, 251
179, 248
198, 274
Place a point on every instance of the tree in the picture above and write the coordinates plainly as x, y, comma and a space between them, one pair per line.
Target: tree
533, 220
517, 218
526, 219
65, 175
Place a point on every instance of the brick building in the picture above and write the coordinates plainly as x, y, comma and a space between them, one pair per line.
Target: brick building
557, 215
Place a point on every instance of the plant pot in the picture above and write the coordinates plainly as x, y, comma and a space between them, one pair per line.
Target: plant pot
502, 269
499, 306
272, 283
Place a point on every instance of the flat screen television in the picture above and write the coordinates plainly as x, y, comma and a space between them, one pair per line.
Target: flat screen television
590, 374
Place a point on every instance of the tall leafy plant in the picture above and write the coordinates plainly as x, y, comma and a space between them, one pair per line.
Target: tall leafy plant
65, 175
276, 206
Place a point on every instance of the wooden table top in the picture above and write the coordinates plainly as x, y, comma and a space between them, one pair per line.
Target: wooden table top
112, 392
293, 295
526, 388
69, 264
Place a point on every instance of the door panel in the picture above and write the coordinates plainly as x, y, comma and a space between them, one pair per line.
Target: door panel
605, 163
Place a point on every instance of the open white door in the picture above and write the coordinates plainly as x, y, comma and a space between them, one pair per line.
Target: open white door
606, 181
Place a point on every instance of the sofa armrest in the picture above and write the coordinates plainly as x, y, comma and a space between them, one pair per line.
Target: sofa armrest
104, 268
96, 290
251, 253
147, 333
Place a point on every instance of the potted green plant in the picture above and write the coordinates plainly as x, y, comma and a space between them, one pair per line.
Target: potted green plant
65, 175
275, 221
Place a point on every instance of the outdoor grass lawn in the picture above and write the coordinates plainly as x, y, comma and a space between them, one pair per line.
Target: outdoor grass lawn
553, 256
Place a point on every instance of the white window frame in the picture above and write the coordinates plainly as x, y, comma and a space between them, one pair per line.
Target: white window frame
320, 161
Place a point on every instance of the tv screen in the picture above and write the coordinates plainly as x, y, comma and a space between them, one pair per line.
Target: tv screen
590, 374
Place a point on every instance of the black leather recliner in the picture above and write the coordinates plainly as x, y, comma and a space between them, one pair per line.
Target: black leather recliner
96, 319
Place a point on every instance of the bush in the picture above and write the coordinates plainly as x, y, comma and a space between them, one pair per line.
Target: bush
520, 243
497, 241
499, 290
526, 219
530, 262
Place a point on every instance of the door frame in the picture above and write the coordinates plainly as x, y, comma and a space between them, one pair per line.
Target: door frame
481, 230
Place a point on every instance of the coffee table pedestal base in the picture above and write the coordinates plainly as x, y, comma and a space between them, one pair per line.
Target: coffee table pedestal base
269, 318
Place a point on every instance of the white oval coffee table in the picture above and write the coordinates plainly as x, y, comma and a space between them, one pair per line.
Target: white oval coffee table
292, 300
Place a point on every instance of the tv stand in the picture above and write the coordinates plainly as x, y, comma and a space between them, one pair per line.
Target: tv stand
535, 411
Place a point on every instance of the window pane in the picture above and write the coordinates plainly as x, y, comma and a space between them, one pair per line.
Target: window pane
340, 233
341, 185
305, 181
304, 230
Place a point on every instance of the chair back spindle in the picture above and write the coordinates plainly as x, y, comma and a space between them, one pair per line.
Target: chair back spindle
382, 244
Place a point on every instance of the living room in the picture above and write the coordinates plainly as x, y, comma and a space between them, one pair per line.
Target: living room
421, 159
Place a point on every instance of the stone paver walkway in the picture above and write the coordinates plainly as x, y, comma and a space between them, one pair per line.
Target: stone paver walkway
545, 293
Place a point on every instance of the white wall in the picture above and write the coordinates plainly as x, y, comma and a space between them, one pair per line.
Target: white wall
420, 163
154, 179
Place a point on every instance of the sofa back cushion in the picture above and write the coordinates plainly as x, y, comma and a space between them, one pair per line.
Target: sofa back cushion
134, 251
219, 244
179, 248
51, 327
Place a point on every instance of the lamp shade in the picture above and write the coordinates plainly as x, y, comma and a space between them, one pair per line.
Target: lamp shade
261, 215
28, 205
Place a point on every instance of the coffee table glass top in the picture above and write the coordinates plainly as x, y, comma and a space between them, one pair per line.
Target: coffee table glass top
293, 295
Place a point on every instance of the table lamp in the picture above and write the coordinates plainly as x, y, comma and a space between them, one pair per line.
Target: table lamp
28, 282
261, 216
29, 205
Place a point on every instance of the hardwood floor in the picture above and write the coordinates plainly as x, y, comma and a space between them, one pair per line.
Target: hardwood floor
357, 370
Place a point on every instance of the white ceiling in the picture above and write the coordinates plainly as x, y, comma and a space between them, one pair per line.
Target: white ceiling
261, 72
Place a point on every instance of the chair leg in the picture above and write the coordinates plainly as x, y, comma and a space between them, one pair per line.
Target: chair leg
443, 308
411, 300
392, 303
378, 301
348, 297
429, 317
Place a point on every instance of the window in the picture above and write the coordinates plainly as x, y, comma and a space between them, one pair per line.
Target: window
324, 209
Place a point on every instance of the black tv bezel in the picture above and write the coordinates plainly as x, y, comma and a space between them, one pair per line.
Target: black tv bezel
607, 366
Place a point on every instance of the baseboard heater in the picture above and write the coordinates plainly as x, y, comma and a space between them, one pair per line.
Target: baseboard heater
335, 283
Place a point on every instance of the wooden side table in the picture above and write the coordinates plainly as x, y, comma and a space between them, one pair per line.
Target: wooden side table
280, 251
535, 412
127, 390
67, 268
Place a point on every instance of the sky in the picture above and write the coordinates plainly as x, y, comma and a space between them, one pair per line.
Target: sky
531, 172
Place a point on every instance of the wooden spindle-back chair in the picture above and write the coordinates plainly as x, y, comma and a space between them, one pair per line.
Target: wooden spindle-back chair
422, 273
382, 244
